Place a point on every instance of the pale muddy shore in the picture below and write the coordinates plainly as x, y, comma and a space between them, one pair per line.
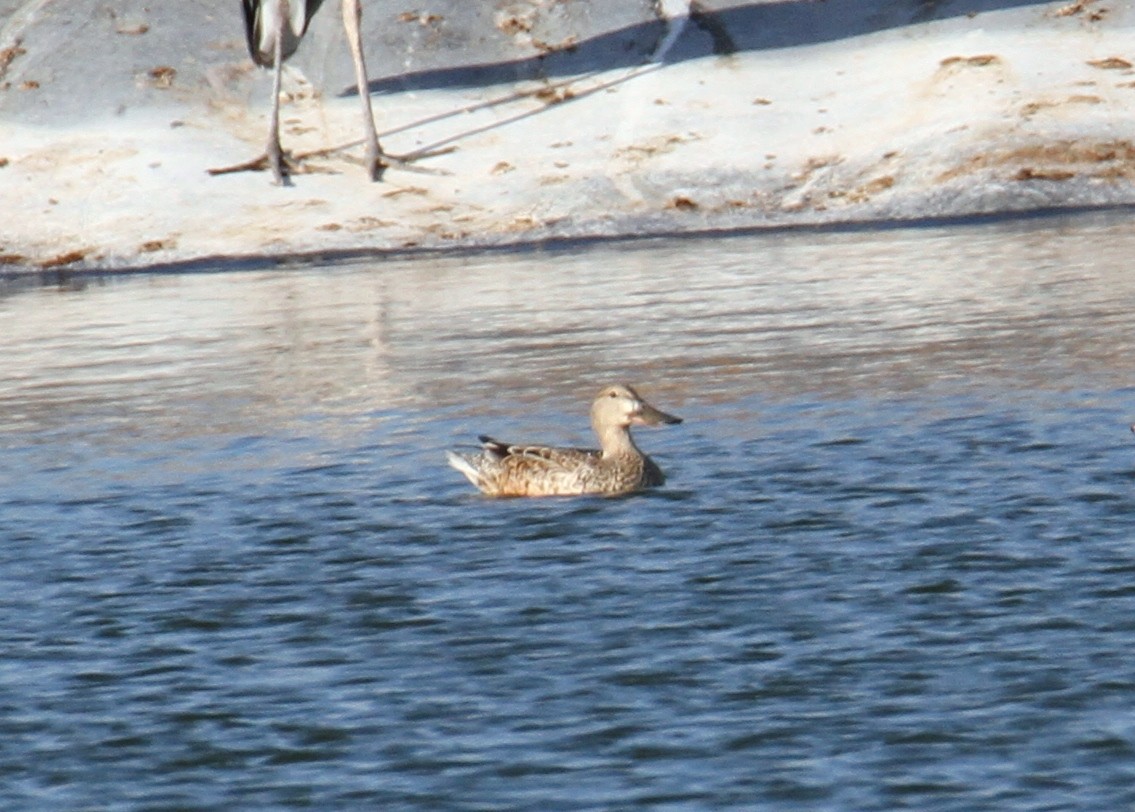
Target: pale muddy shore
552, 121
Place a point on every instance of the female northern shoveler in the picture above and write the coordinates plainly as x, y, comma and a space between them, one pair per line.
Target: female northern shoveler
532, 470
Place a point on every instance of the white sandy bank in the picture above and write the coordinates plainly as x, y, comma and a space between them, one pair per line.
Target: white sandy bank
1017, 108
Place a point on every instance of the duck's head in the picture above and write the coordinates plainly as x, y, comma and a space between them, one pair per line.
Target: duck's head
620, 405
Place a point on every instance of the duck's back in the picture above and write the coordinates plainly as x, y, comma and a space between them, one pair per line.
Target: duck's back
525, 470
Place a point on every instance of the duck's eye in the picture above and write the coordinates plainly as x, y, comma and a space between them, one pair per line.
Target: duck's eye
612, 394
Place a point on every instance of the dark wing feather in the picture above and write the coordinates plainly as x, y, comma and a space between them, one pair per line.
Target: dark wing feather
494, 447
251, 10
309, 12
254, 25
552, 457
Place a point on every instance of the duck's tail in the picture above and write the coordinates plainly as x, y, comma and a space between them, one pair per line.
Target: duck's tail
466, 466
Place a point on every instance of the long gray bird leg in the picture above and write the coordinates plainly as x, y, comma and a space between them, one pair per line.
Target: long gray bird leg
352, 16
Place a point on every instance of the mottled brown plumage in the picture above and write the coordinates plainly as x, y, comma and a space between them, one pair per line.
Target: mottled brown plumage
618, 466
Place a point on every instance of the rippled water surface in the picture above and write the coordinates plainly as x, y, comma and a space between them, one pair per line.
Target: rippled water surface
893, 568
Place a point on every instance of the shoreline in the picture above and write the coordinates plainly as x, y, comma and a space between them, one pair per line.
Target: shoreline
62, 273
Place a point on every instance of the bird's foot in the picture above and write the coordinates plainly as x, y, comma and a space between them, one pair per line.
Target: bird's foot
375, 162
257, 164
376, 165
408, 160
283, 166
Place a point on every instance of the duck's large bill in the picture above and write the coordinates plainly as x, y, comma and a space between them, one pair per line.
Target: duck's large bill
647, 415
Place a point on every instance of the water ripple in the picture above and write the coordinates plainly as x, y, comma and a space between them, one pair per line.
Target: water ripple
891, 567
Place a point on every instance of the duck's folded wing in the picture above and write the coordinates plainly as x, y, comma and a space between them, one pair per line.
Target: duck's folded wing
545, 456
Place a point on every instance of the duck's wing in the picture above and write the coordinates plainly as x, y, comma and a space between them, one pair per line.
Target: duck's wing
545, 456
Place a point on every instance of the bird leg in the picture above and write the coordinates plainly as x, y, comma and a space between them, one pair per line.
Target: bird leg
273, 151
273, 157
282, 163
352, 16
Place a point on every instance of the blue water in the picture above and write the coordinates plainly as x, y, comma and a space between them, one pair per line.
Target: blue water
893, 568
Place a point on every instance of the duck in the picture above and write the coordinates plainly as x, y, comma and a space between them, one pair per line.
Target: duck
616, 467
